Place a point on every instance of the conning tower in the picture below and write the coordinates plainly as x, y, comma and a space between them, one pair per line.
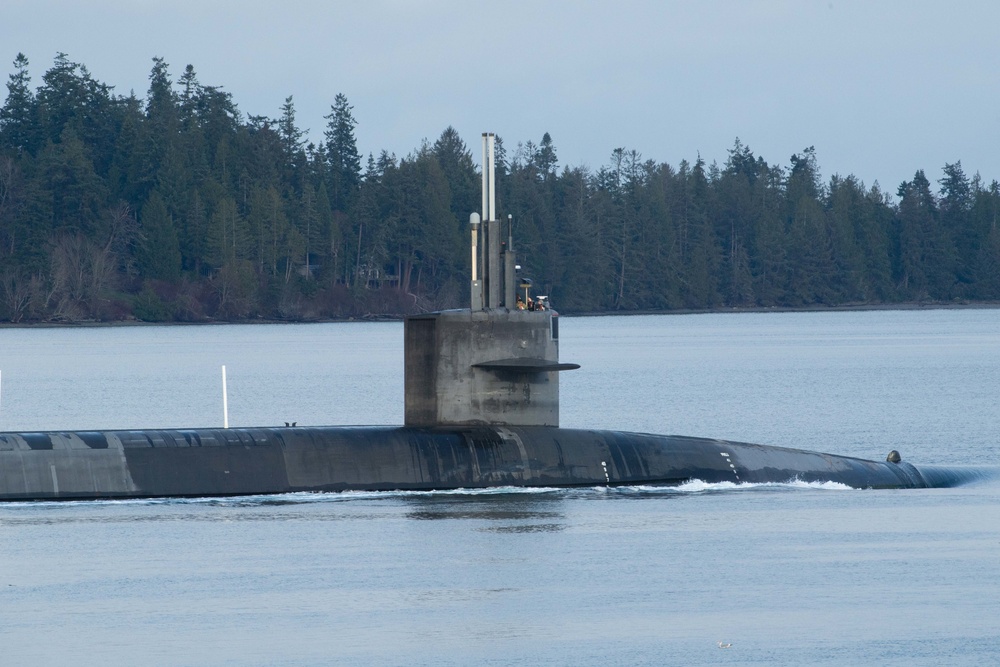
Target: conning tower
496, 362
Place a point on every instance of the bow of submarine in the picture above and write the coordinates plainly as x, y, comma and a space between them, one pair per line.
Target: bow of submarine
640, 458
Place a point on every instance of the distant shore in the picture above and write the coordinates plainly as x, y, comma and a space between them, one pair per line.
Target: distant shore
910, 305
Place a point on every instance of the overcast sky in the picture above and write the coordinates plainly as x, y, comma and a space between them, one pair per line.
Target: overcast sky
880, 88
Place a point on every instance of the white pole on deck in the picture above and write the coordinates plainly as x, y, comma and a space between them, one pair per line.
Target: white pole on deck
493, 180
225, 401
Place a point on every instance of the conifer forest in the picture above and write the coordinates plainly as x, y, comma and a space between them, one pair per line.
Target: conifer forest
177, 206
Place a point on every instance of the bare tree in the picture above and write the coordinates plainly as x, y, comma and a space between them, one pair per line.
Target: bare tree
7, 174
124, 237
16, 293
82, 273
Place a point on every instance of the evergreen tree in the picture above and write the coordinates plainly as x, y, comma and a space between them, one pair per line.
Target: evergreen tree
464, 183
291, 135
194, 234
925, 252
17, 121
331, 248
955, 206
704, 257
156, 136
266, 226
77, 194
60, 101
25, 221
587, 267
809, 251
874, 237
228, 237
188, 98
845, 204
342, 154
121, 172
427, 239
769, 260
376, 213
545, 157
736, 223
987, 214
161, 255
219, 120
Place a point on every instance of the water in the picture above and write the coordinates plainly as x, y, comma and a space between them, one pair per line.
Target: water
789, 574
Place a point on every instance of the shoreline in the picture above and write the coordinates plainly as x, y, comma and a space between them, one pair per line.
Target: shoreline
909, 305
904, 305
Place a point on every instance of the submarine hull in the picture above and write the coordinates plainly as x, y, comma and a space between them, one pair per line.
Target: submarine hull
248, 461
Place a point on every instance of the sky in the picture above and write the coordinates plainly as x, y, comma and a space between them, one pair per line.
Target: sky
879, 88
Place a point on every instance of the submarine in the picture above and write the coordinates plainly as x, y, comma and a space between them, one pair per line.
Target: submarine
481, 410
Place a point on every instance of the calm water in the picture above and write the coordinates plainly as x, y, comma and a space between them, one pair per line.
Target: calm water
789, 574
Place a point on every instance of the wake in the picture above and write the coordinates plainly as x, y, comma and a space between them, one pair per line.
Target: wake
691, 488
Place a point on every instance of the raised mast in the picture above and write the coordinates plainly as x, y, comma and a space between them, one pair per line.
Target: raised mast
490, 248
493, 363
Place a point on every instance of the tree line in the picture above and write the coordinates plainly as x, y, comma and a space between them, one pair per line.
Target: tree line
179, 207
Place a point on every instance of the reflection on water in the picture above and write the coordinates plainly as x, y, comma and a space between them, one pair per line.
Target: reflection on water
493, 514
515, 513
526, 528
455, 596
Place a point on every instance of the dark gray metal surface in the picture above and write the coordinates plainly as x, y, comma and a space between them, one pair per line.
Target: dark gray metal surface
482, 367
213, 462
